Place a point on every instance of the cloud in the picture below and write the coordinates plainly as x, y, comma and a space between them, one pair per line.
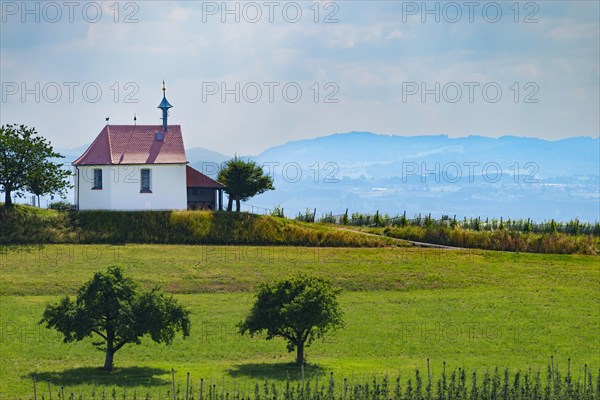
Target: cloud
528, 71
568, 30
348, 36
393, 35
370, 53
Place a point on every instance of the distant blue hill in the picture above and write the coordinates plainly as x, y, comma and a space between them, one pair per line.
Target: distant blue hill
381, 154
366, 172
508, 176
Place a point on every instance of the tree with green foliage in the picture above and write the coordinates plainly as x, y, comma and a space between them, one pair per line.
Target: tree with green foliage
344, 220
242, 180
552, 226
110, 306
26, 165
377, 219
277, 212
299, 309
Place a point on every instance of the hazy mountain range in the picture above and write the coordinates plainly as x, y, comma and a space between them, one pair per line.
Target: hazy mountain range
469, 176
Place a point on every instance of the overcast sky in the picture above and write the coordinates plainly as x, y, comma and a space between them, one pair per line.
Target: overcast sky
302, 69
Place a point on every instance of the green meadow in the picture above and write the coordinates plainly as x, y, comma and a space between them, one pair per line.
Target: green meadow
470, 308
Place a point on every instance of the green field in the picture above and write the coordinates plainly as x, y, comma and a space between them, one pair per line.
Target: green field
470, 308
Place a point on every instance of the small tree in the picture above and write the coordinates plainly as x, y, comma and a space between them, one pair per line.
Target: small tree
110, 306
377, 219
344, 220
242, 180
299, 309
277, 212
25, 164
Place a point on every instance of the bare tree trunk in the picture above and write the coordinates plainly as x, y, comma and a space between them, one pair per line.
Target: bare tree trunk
237, 204
7, 198
108, 361
110, 352
230, 204
300, 353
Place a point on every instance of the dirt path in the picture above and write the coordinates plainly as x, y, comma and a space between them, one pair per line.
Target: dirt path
417, 244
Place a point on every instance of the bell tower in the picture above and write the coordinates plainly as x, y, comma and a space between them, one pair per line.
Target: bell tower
164, 106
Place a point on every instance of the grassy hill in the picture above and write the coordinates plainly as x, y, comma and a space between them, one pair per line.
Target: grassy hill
470, 308
473, 309
30, 225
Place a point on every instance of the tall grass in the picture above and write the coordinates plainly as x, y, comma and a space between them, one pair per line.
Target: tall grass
24, 225
572, 237
503, 240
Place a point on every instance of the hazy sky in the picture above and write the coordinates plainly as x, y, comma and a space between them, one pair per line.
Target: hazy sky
302, 69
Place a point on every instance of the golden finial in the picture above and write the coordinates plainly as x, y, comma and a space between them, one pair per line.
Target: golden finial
164, 87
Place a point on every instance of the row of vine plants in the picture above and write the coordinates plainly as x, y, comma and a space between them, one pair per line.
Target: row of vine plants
572, 227
457, 384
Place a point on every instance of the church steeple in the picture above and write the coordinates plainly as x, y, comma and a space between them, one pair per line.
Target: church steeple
164, 106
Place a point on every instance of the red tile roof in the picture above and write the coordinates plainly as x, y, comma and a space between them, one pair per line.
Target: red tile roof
135, 144
195, 178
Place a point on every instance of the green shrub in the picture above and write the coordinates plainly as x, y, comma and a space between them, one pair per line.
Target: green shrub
277, 212
328, 218
308, 216
22, 224
61, 205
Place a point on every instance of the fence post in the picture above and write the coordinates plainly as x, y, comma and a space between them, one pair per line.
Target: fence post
49, 390
201, 387
569, 380
584, 379
331, 383
173, 383
187, 387
34, 389
317, 384
62, 393
428, 374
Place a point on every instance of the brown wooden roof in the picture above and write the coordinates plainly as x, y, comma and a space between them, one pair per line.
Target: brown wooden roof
195, 178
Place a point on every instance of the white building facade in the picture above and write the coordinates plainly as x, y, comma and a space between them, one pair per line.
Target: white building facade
121, 187
142, 167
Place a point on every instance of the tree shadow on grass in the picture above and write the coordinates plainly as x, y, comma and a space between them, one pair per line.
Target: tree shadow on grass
129, 376
272, 371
